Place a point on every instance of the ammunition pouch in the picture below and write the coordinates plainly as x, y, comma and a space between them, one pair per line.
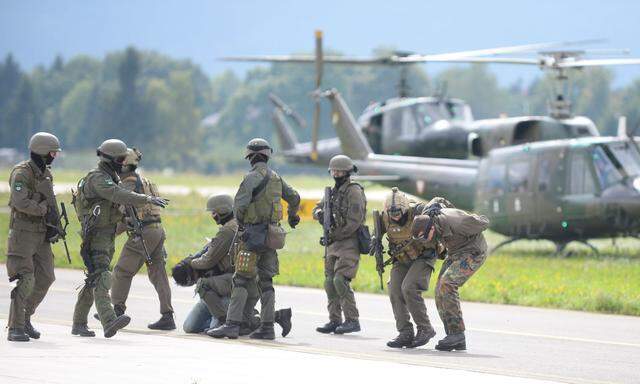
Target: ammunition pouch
364, 239
254, 237
275, 237
246, 262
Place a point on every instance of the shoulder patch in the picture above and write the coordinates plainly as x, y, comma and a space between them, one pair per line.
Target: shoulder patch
108, 181
17, 186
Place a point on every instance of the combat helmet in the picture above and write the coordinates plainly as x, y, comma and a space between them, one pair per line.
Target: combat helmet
220, 204
133, 157
258, 146
342, 163
113, 150
42, 143
396, 203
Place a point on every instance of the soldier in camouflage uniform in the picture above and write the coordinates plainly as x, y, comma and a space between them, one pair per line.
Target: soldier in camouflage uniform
132, 256
413, 264
258, 210
348, 211
29, 256
461, 233
97, 204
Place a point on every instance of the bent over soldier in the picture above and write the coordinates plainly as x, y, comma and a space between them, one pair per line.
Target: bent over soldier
413, 264
133, 254
29, 256
461, 233
97, 204
258, 210
348, 207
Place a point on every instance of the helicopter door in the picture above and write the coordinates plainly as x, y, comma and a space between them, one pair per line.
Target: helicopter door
373, 133
581, 200
519, 198
550, 176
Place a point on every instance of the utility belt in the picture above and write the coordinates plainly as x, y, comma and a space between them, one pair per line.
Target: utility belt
261, 237
24, 222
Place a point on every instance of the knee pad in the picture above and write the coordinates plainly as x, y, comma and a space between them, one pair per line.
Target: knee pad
239, 281
24, 286
341, 284
265, 284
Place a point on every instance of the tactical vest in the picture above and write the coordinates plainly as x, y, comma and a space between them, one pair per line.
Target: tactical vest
20, 220
146, 187
266, 206
402, 245
339, 206
85, 203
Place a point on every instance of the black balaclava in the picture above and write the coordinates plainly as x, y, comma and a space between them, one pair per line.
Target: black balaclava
41, 161
403, 219
258, 158
222, 220
129, 168
342, 179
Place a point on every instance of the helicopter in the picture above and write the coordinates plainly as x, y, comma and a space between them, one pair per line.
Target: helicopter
427, 126
561, 190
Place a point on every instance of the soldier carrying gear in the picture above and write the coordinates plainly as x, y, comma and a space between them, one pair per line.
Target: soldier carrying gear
213, 272
29, 256
258, 211
413, 264
133, 254
348, 210
461, 233
97, 203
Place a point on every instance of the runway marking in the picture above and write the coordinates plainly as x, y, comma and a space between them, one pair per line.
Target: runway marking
494, 331
409, 360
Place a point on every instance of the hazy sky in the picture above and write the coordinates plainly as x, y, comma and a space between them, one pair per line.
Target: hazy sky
35, 31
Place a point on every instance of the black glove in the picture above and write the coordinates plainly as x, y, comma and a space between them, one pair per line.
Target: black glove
159, 201
433, 210
183, 273
372, 246
326, 242
294, 220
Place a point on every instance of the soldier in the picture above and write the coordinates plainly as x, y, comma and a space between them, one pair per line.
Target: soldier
133, 256
461, 233
258, 210
413, 264
213, 270
97, 205
29, 256
348, 211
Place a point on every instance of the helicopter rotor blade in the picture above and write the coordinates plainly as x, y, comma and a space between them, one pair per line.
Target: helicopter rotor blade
597, 63
316, 112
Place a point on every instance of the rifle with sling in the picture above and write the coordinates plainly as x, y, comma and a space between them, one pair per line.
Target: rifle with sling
135, 230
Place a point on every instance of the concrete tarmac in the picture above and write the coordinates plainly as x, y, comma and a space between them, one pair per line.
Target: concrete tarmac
506, 344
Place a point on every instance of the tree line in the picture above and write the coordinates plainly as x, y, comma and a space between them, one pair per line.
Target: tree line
158, 103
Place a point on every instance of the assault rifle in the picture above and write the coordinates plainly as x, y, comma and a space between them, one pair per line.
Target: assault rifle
135, 230
53, 218
326, 220
377, 250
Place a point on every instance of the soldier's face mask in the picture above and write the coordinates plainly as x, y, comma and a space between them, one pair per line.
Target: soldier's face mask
48, 159
215, 217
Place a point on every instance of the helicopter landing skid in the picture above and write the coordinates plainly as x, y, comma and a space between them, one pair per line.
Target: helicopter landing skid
503, 243
561, 246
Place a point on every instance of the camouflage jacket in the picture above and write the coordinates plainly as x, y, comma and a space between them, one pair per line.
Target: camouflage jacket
461, 232
28, 206
217, 254
348, 210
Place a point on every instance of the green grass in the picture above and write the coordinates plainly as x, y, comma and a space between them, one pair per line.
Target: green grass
524, 273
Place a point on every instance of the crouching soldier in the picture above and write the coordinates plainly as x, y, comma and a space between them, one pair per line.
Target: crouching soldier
29, 256
461, 233
213, 270
413, 263
97, 204
347, 207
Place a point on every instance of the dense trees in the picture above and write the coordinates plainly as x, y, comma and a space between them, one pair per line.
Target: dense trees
159, 104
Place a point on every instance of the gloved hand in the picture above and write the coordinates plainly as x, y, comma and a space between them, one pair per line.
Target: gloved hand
294, 220
433, 210
372, 246
326, 242
45, 188
159, 201
318, 215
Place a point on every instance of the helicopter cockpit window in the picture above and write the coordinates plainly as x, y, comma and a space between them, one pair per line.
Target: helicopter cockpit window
496, 182
627, 156
392, 123
518, 176
410, 126
427, 114
582, 182
606, 169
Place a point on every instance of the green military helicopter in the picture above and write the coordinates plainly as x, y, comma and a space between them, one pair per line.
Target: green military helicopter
433, 126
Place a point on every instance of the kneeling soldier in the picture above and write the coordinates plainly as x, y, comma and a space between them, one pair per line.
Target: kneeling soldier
461, 233
348, 207
97, 204
413, 261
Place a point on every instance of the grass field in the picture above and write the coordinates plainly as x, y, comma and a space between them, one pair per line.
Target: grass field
523, 273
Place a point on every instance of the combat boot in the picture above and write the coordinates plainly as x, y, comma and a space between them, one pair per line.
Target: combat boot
247, 327
29, 329
404, 339
455, 341
17, 334
118, 309
348, 326
422, 337
82, 330
283, 318
114, 326
165, 323
329, 327
265, 332
230, 329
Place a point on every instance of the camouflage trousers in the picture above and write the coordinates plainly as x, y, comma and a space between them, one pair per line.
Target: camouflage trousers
131, 259
340, 267
455, 272
30, 262
407, 281
96, 289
